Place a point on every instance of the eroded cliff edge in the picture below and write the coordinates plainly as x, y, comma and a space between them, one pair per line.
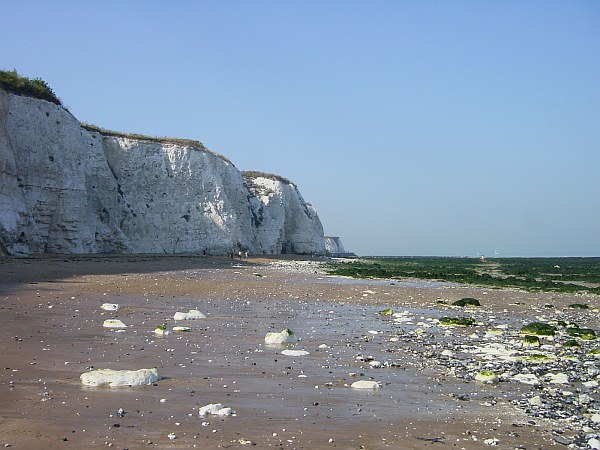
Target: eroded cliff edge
66, 188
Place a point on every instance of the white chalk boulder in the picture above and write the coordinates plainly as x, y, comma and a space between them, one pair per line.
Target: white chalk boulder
112, 378
295, 352
113, 323
284, 337
486, 376
365, 384
216, 409
192, 314
110, 306
161, 330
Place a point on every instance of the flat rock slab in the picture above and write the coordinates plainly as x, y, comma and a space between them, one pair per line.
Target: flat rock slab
112, 378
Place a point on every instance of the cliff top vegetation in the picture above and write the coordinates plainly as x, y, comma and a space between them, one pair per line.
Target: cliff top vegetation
11, 81
249, 174
160, 140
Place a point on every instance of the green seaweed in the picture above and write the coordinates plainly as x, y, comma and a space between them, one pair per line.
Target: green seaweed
459, 321
531, 340
579, 306
539, 329
586, 334
467, 301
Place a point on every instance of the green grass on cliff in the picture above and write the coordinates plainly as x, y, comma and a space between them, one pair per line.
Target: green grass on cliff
161, 140
249, 174
11, 81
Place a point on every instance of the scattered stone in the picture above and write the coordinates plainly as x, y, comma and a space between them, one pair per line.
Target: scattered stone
110, 307
112, 378
192, 314
365, 384
535, 401
284, 337
594, 443
558, 378
182, 329
113, 323
295, 352
161, 330
526, 378
486, 376
215, 409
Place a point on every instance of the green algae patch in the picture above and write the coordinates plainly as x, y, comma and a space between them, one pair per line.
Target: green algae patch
586, 334
486, 376
571, 343
457, 321
386, 312
579, 306
531, 341
466, 301
539, 329
538, 357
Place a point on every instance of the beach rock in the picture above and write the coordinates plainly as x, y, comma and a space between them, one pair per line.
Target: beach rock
192, 314
215, 409
535, 401
110, 307
594, 443
284, 337
526, 378
365, 384
295, 352
182, 329
558, 378
113, 323
486, 377
161, 330
112, 378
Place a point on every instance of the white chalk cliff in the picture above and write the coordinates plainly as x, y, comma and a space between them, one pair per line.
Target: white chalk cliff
66, 188
333, 244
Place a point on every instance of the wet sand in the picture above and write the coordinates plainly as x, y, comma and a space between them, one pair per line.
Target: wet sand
52, 332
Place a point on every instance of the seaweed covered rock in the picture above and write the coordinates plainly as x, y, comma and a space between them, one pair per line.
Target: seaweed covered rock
585, 334
457, 321
284, 337
466, 301
539, 329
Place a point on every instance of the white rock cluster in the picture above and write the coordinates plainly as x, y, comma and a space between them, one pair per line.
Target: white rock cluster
64, 189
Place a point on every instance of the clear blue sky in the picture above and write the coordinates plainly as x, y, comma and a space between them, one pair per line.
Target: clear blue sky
413, 127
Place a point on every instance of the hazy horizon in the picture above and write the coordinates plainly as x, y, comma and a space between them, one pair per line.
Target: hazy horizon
414, 128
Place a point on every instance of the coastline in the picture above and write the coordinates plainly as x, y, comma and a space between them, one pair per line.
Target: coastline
52, 332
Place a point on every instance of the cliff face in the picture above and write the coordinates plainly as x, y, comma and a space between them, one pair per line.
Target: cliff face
281, 217
333, 244
64, 189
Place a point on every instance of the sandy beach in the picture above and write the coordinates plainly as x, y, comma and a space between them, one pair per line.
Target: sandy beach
52, 332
